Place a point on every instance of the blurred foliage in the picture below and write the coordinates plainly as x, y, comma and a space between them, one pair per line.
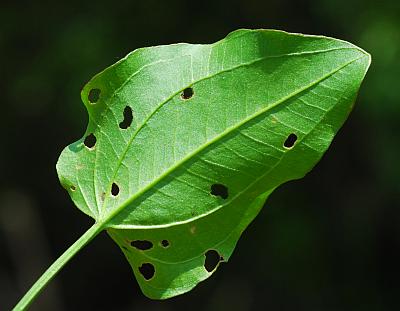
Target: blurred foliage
330, 248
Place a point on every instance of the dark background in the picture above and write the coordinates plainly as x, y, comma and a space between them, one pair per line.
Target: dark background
327, 242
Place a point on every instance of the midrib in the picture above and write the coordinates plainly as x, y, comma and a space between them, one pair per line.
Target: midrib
150, 185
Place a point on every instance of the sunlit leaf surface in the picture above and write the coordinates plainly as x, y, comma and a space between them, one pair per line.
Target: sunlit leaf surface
185, 142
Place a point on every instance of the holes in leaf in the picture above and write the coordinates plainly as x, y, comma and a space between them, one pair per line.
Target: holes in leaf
212, 260
127, 118
219, 190
187, 93
90, 141
290, 141
165, 243
147, 270
73, 188
94, 95
142, 244
114, 189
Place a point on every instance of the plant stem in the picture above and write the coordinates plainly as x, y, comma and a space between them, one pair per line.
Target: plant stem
48, 275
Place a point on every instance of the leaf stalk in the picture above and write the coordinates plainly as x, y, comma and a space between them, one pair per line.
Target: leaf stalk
51, 272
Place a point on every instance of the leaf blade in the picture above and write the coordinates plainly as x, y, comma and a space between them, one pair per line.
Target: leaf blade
249, 93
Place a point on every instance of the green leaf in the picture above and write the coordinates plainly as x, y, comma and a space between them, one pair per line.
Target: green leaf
185, 142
